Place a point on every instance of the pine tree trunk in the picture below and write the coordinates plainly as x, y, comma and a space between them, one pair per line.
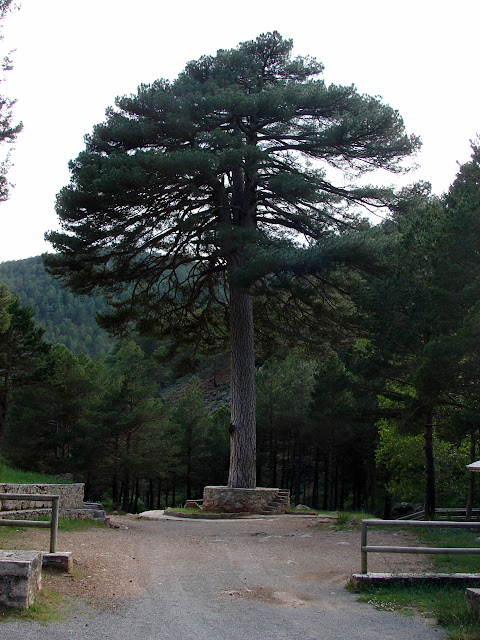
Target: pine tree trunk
242, 472
471, 479
137, 490
331, 465
342, 490
189, 462
429, 467
373, 485
335, 500
315, 480
151, 495
126, 491
126, 476
4, 399
325, 482
3, 419
115, 492
298, 474
88, 485
387, 506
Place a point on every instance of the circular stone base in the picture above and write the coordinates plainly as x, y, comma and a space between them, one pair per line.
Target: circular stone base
228, 500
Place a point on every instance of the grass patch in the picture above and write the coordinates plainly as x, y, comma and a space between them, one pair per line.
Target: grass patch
438, 537
308, 512
447, 605
80, 525
48, 607
345, 518
9, 536
186, 510
7, 474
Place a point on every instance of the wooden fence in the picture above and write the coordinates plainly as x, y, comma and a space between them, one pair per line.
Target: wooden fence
45, 524
365, 548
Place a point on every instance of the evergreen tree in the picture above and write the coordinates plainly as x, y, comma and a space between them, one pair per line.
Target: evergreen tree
22, 357
45, 421
423, 316
284, 390
130, 412
196, 194
4, 300
191, 418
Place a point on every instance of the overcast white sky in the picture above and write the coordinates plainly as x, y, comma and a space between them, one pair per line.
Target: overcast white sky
74, 56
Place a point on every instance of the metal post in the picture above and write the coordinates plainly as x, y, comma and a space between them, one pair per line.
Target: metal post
363, 551
54, 525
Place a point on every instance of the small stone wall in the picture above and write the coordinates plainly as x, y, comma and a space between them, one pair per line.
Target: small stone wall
71, 499
44, 514
227, 500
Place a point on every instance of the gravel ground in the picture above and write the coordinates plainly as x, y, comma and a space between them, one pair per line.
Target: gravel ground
271, 578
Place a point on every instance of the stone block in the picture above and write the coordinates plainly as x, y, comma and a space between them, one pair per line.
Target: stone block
20, 578
61, 560
473, 601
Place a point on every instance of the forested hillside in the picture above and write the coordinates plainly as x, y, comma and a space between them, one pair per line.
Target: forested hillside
67, 318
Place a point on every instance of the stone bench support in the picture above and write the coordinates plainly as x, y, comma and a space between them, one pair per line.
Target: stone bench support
473, 601
20, 578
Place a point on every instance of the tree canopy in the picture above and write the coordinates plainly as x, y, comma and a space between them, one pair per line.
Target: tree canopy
236, 178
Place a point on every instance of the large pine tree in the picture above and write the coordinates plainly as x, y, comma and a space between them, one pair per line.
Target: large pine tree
193, 192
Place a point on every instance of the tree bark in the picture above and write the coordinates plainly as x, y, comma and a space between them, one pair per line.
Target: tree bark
242, 472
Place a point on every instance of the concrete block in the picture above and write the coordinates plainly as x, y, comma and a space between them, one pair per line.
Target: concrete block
20, 578
473, 601
63, 561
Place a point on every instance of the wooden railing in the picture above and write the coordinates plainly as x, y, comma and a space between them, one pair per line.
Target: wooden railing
365, 548
453, 514
45, 524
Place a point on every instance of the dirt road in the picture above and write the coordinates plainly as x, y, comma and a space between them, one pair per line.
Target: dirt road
277, 578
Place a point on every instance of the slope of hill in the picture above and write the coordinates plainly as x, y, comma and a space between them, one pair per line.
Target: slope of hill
66, 317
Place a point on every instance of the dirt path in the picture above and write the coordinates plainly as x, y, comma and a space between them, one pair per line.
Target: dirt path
270, 578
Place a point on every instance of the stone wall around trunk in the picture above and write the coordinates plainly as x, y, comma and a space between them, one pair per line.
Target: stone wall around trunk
228, 500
